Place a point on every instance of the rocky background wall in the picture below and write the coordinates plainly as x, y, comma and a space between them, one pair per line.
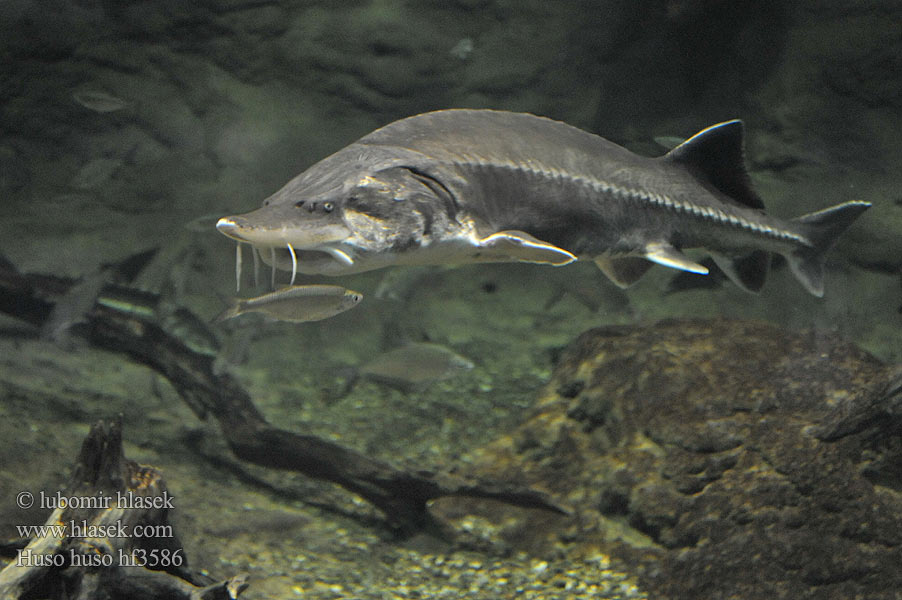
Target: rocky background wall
222, 101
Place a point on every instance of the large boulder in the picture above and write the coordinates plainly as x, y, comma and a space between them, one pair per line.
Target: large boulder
721, 459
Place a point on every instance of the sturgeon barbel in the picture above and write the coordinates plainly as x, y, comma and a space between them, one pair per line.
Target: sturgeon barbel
466, 186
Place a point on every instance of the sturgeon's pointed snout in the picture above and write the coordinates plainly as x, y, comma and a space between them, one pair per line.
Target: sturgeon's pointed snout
229, 227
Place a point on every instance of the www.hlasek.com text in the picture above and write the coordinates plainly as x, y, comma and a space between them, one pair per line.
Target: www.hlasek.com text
83, 529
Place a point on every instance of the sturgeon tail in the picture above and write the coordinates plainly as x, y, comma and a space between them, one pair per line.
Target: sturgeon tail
822, 228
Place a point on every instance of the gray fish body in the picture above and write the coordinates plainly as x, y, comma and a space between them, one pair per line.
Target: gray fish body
415, 366
297, 304
99, 101
575, 190
459, 186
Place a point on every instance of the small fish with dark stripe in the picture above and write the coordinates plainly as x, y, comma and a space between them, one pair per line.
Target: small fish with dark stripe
297, 304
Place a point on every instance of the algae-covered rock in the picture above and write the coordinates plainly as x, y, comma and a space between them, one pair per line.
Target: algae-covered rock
722, 459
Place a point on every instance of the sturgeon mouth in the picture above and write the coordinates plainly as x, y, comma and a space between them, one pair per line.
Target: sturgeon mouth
289, 258
320, 251
307, 237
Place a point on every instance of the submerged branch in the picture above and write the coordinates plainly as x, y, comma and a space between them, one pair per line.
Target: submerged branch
68, 566
401, 494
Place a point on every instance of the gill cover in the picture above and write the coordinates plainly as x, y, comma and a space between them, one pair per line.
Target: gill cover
397, 208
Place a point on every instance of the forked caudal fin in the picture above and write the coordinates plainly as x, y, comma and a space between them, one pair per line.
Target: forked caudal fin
822, 228
715, 156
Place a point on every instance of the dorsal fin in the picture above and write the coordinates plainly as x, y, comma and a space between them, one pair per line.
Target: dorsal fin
715, 155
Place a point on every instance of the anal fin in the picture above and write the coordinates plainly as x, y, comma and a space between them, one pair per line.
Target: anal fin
624, 271
665, 254
519, 246
749, 272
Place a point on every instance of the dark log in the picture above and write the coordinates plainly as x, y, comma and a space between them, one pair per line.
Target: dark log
401, 494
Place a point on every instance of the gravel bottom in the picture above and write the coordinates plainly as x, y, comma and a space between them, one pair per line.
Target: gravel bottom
401, 573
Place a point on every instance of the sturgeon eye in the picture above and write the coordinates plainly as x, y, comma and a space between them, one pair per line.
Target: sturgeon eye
328, 206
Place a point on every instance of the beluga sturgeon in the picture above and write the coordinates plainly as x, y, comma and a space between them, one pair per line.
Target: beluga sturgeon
467, 186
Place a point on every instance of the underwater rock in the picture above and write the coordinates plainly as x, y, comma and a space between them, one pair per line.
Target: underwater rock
726, 458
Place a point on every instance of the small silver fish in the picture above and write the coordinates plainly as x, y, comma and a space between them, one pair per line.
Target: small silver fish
175, 320
589, 292
95, 173
99, 101
415, 366
462, 49
297, 304
185, 326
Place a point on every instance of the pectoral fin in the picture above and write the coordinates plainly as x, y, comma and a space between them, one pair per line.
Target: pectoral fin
507, 246
667, 255
624, 271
